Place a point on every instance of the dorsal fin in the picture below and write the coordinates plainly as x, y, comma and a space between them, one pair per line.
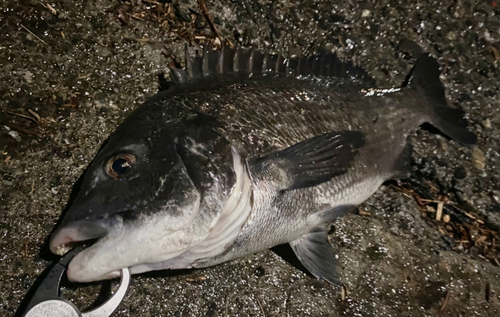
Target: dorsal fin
227, 60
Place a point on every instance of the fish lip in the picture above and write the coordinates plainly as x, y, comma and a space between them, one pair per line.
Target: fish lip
95, 235
76, 233
90, 233
78, 269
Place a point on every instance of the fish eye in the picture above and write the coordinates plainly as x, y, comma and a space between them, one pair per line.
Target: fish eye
117, 166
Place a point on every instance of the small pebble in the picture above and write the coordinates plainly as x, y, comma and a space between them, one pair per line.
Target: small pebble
478, 160
451, 36
365, 13
13, 134
446, 218
443, 143
394, 12
487, 124
28, 76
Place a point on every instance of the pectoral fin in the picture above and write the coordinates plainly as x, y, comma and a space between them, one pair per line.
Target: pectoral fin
317, 255
310, 162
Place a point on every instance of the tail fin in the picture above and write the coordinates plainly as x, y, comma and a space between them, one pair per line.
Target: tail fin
424, 78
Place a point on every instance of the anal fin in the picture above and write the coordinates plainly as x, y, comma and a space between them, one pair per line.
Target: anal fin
331, 214
402, 168
317, 254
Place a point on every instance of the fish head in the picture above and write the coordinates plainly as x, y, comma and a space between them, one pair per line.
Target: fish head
142, 199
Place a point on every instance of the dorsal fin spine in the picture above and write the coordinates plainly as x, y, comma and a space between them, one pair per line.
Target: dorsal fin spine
236, 60
250, 61
249, 68
264, 63
220, 60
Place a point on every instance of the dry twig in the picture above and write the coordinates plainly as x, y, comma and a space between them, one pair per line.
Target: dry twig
364, 213
439, 212
343, 293
466, 234
22, 116
29, 31
49, 7
211, 22
196, 279
34, 114
18, 128
496, 54
260, 305
444, 304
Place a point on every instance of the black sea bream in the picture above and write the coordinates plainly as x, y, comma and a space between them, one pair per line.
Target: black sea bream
246, 152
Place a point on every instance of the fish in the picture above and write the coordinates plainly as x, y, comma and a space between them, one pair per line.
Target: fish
246, 151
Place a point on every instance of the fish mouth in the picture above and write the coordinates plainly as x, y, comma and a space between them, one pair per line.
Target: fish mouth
118, 242
75, 234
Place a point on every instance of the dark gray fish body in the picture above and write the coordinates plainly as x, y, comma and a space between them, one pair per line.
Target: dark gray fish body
229, 165
258, 117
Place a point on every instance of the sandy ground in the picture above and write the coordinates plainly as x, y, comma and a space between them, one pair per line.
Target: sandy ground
72, 70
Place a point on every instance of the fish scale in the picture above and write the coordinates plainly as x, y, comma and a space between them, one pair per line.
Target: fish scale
285, 122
